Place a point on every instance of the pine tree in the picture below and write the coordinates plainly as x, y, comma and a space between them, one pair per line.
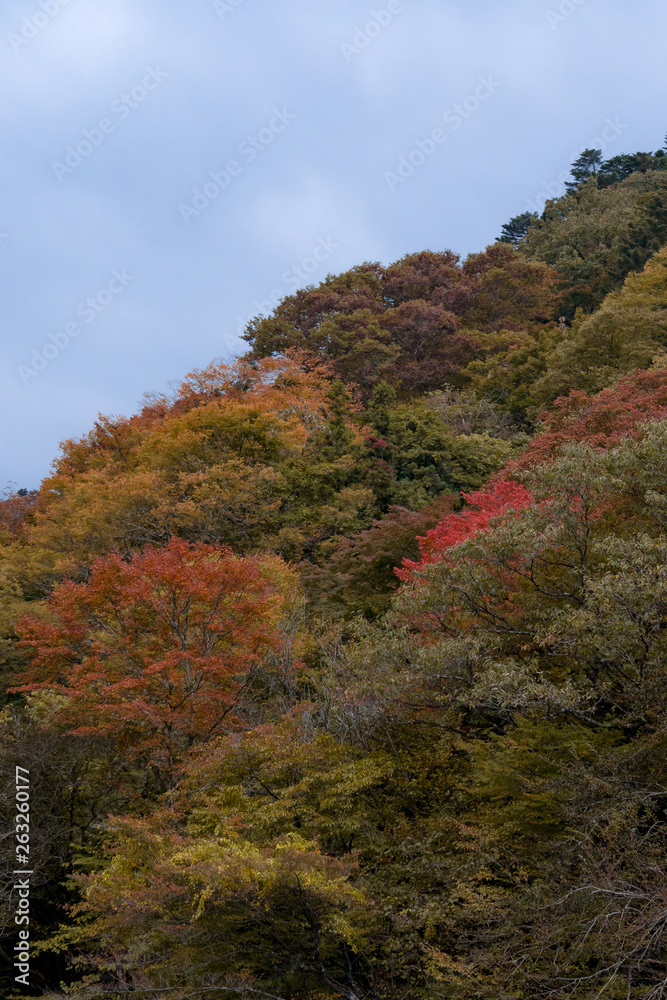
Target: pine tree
515, 230
384, 396
585, 166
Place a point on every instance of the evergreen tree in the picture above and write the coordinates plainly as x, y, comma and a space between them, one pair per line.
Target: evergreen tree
337, 436
383, 398
515, 230
585, 166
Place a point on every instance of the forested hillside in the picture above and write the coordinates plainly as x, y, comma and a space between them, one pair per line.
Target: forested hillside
340, 671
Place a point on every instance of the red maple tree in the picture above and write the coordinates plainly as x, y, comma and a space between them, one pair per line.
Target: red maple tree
155, 650
486, 507
602, 420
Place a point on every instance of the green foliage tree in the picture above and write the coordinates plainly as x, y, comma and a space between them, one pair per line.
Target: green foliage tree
594, 237
627, 332
514, 231
608, 223
586, 165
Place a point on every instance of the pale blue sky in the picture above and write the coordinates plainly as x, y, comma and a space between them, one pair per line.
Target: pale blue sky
117, 111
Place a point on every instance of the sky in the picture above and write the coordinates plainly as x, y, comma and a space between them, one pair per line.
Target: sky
172, 168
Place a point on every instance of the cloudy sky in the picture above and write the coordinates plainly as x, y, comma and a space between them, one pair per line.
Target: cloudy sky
170, 166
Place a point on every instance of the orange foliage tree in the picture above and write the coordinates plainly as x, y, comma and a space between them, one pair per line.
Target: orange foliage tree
292, 389
156, 650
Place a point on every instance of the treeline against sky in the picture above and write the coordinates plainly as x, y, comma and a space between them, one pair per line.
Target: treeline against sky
339, 672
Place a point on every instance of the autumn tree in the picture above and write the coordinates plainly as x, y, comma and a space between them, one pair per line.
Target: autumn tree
532, 632
510, 292
602, 420
359, 575
232, 867
409, 323
156, 651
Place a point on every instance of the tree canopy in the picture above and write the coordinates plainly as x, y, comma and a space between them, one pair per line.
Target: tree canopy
340, 670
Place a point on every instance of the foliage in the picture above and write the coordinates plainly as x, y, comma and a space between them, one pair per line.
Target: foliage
601, 420
408, 323
486, 507
610, 221
359, 574
594, 237
517, 227
340, 671
155, 651
627, 332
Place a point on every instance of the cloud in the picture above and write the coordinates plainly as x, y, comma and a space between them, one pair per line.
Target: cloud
322, 178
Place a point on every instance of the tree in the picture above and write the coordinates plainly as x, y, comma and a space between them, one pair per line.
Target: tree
410, 323
382, 400
619, 167
16, 510
222, 463
602, 420
487, 508
73, 785
428, 277
586, 165
221, 861
537, 637
594, 237
510, 292
514, 231
359, 575
627, 332
337, 437
156, 651
288, 915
